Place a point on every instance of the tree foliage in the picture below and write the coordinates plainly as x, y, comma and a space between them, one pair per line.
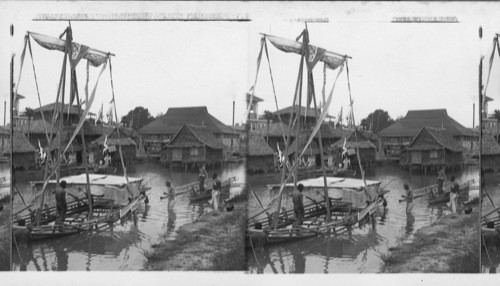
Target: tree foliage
377, 120
137, 118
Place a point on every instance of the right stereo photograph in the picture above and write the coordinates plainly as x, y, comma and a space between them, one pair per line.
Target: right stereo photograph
365, 141
489, 160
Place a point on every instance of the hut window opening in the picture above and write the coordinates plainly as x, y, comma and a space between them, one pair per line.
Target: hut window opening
194, 152
434, 154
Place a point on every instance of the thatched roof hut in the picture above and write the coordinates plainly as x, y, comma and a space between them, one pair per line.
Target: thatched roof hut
490, 159
23, 153
193, 145
260, 157
433, 147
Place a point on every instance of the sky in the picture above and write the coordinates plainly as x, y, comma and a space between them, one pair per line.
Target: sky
160, 64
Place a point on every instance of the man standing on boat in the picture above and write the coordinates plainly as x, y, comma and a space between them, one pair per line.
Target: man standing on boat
61, 206
216, 188
440, 181
454, 196
409, 199
298, 204
201, 179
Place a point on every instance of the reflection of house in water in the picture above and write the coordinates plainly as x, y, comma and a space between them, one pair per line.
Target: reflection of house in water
400, 134
157, 134
432, 148
193, 146
260, 157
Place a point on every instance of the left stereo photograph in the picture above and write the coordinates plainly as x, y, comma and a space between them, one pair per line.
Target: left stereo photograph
126, 147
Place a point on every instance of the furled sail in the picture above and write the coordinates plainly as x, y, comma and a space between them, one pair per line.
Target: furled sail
95, 57
332, 60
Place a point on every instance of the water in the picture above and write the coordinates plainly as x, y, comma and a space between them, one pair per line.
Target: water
122, 248
493, 190
359, 251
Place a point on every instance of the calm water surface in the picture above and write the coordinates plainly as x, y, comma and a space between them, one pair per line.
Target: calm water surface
123, 247
360, 250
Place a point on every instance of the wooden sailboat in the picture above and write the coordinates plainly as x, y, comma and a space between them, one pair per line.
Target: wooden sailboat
100, 200
346, 201
195, 195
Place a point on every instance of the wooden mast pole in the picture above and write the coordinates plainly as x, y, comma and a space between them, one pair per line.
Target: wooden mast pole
310, 92
285, 161
480, 90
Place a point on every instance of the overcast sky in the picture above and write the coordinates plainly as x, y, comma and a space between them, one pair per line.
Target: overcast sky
162, 64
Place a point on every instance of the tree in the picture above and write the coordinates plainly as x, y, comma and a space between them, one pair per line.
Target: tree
377, 120
496, 115
29, 113
137, 118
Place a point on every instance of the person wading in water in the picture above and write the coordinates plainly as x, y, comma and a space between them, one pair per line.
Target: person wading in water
201, 180
440, 181
216, 188
409, 199
454, 196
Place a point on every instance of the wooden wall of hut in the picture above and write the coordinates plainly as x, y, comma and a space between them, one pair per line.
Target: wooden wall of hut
187, 158
490, 162
422, 159
258, 164
24, 160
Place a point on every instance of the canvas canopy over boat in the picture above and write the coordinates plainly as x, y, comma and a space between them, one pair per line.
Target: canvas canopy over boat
99, 200
335, 213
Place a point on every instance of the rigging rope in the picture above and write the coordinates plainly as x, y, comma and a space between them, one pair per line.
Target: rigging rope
117, 129
355, 133
26, 39
275, 97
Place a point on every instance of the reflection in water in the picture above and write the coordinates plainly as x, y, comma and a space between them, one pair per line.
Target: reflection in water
359, 249
171, 215
123, 247
410, 221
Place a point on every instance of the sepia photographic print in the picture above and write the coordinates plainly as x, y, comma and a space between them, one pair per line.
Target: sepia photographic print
244, 138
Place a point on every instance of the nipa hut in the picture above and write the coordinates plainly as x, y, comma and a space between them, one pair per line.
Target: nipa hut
191, 147
432, 149
73, 154
260, 157
113, 140
24, 153
352, 142
311, 157
490, 155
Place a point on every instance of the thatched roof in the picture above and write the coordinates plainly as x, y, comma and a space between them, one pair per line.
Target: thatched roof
21, 144
441, 136
201, 133
257, 146
313, 148
352, 142
176, 117
50, 107
276, 129
65, 136
490, 146
288, 111
37, 127
113, 139
415, 120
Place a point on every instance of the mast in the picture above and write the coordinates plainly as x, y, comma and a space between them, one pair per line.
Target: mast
310, 92
480, 89
290, 121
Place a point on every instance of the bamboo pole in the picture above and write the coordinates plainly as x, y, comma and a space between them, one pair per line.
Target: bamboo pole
310, 92
285, 161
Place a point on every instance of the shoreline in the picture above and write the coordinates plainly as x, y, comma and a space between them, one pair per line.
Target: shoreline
449, 245
210, 243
